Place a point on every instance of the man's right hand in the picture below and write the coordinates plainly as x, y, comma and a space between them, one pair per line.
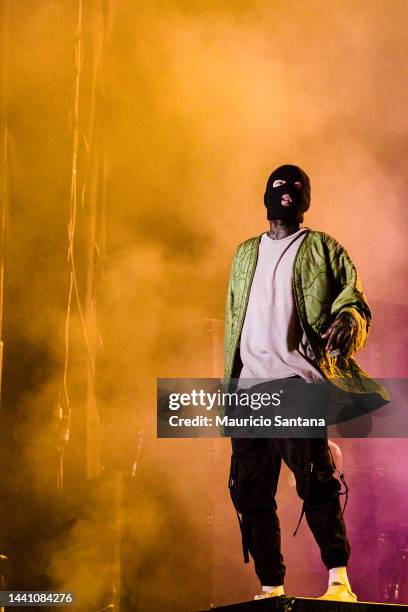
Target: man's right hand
339, 334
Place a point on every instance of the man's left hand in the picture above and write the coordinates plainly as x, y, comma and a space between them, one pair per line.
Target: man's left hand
339, 334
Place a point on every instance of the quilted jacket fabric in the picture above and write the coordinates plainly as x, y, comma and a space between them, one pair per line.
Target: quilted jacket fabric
325, 283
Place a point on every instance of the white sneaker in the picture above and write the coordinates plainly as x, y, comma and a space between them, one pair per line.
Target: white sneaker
274, 593
339, 592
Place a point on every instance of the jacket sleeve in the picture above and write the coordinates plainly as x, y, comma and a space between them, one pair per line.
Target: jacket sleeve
228, 320
349, 296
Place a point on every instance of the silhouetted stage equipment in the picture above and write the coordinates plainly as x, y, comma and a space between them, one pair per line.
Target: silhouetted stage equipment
300, 604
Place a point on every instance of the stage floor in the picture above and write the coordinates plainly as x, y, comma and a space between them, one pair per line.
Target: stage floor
304, 604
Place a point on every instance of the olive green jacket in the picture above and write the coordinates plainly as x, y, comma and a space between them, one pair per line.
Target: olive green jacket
325, 282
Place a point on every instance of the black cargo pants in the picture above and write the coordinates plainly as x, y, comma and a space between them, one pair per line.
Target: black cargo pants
254, 474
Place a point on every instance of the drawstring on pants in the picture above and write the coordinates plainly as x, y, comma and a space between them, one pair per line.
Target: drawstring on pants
345, 492
300, 519
343, 482
306, 496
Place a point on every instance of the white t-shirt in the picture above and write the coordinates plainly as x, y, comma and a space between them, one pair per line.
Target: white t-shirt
273, 344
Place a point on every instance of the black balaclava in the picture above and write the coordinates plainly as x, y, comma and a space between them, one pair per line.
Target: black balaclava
300, 198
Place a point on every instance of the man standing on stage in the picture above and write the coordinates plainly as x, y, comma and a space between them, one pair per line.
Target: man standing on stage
295, 308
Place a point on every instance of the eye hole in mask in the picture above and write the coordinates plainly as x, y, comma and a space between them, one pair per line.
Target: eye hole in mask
279, 182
